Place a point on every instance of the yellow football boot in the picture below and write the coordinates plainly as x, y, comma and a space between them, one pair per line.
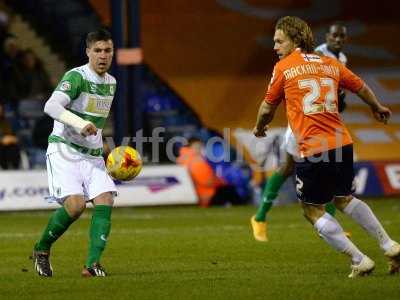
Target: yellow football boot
259, 230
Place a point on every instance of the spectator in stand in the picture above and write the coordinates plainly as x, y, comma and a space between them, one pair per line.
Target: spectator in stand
10, 76
9, 149
210, 189
36, 81
4, 33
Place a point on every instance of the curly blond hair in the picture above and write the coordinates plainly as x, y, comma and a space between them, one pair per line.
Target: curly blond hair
298, 31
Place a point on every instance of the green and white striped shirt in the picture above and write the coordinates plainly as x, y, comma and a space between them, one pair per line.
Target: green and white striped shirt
91, 97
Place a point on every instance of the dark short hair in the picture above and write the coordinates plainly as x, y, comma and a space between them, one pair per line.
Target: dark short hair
336, 24
194, 139
98, 35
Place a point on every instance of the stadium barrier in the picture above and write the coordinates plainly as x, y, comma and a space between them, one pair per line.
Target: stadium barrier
156, 185
377, 179
372, 178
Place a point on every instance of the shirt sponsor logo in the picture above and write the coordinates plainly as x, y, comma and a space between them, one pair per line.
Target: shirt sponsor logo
99, 106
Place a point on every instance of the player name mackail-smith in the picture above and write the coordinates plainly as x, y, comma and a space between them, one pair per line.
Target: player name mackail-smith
306, 69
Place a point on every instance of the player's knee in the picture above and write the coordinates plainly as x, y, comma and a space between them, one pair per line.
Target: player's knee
308, 218
75, 206
313, 212
104, 199
342, 202
286, 169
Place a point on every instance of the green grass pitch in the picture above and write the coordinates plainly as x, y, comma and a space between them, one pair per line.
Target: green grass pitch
194, 253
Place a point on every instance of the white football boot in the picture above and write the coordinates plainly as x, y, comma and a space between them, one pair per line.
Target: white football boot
365, 267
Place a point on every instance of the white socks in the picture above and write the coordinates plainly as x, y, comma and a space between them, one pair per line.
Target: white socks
331, 231
363, 215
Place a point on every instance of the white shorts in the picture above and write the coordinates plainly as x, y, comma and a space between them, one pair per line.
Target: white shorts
289, 143
73, 173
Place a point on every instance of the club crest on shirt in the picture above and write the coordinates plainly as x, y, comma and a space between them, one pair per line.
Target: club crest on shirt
65, 86
112, 90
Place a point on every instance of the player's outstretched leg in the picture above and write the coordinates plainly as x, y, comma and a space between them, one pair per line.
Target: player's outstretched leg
58, 224
330, 231
360, 212
269, 195
99, 231
258, 222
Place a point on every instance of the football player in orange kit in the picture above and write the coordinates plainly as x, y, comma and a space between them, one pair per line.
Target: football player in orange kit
308, 84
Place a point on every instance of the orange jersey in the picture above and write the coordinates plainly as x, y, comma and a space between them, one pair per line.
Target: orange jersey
309, 84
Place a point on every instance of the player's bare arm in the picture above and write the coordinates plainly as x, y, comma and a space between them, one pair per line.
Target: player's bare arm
380, 112
265, 115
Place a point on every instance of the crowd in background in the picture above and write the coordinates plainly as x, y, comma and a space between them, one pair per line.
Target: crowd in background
25, 86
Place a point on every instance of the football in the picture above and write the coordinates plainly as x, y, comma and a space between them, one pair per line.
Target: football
124, 163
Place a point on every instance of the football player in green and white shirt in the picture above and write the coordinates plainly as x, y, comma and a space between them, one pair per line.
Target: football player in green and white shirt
76, 170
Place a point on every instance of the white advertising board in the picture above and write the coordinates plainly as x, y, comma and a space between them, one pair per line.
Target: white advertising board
156, 185
159, 185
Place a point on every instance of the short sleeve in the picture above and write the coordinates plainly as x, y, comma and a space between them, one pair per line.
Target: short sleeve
71, 84
275, 91
348, 80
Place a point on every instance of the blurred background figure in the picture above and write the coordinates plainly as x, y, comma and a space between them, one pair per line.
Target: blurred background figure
336, 37
9, 149
4, 25
35, 80
210, 189
35, 88
10, 75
